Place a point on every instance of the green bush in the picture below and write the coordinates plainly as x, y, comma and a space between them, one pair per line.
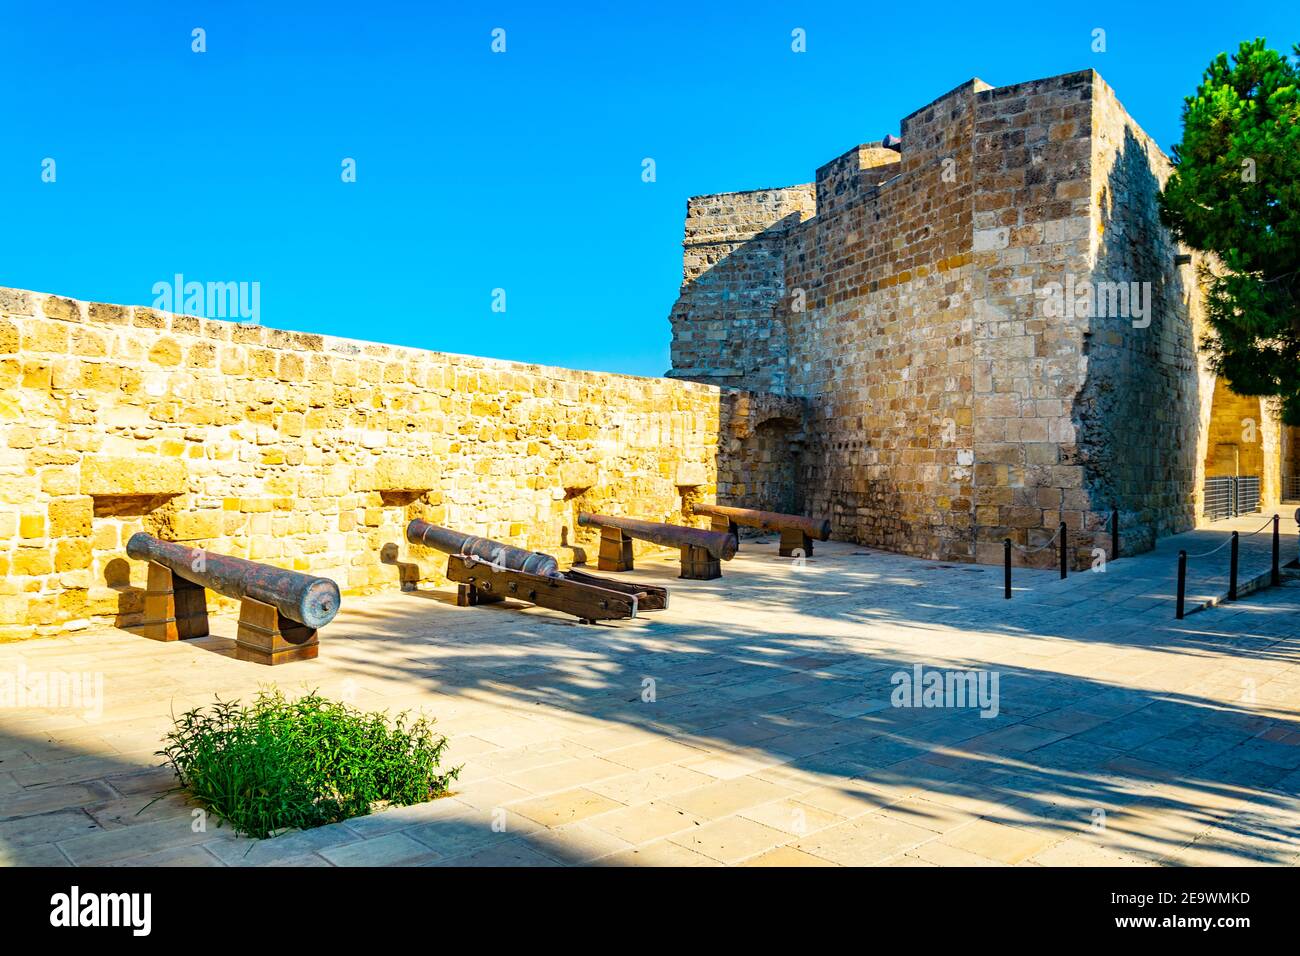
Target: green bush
281, 763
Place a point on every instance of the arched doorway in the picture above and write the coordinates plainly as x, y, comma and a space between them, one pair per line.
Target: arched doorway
1234, 454
770, 457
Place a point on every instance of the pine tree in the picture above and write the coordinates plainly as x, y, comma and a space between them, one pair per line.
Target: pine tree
1236, 194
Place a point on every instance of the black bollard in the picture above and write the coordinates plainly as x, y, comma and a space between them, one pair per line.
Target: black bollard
1232, 570
1006, 568
1182, 581
1276, 578
1114, 532
1064, 546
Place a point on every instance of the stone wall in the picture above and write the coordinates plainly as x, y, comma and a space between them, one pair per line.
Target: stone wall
1232, 442
949, 405
1158, 412
763, 447
312, 453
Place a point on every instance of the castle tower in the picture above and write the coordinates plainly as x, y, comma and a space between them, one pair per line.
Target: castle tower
991, 329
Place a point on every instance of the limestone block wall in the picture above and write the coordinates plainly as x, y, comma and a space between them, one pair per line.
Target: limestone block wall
1232, 441
1272, 452
1158, 412
312, 452
1289, 440
854, 175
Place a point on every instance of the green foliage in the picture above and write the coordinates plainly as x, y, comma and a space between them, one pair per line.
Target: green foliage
281, 763
1236, 193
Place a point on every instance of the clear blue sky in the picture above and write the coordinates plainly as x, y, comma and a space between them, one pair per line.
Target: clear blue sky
477, 170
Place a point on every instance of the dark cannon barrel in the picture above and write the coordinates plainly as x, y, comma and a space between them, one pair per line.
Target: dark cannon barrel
719, 544
503, 555
310, 601
768, 520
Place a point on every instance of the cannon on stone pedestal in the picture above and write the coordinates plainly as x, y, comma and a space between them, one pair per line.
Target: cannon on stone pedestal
701, 551
797, 531
486, 571
280, 611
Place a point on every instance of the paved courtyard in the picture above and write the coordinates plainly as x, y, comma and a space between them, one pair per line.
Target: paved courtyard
751, 723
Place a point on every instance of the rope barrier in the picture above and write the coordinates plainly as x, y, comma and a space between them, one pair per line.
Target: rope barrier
1266, 524
1111, 524
1042, 547
1204, 554
1275, 576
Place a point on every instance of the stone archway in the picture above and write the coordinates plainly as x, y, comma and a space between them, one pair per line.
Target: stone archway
767, 465
1235, 446
1235, 466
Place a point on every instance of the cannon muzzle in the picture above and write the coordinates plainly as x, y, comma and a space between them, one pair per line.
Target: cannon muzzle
310, 601
768, 520
494, 552
720, 545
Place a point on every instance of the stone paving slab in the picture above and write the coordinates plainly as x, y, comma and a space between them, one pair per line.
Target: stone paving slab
1121, 737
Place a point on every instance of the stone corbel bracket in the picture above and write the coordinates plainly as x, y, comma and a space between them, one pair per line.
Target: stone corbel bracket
401, 481
131, 485
576, 478
691, 474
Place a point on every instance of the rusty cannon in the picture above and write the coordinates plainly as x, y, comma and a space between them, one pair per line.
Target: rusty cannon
797, 531
280, 611
487, 571
701, 551
485, 549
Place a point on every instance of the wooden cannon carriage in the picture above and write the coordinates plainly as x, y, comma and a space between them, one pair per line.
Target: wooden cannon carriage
280, 611
487, 571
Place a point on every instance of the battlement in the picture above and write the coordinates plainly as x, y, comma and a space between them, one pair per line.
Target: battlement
856, 173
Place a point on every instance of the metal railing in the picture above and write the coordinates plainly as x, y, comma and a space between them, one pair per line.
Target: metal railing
1227, 496
1247, 494
1219, 497
1291, 488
